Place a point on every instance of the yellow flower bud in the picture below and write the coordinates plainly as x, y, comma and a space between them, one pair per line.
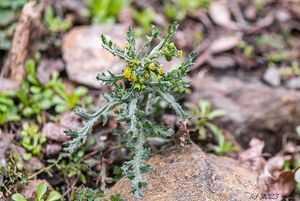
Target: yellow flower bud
130, 64
137, 86
151, 66
160, 70
147, 75
180, 54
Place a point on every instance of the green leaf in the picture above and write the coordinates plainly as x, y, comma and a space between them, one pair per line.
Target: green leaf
61, 108
204, 107
216, 132
80, 91
41, 191
172, 102
216, 113
201, 133
18, 197
6, 16
53, 196
27, 156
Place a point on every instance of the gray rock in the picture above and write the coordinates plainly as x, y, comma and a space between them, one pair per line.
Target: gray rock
85, 57
293, 83
188, 174
272, 77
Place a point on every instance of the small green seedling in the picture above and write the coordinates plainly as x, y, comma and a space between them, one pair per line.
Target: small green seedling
105, 10
8, 109
41, 194
54, 23
144, 19
88, 194
204, 123
290, 71
9, 14
179, 9
32, 140
146, 80
247, 49
35, 97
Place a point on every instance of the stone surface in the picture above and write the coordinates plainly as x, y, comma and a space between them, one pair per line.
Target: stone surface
293, 83
54, 132
188, 174
85, 57
272, 77
253, 109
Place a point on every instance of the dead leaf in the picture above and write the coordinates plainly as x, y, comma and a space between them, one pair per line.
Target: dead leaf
284, 185
253, 157
274, 166
225, 43
221, 62
220, 14
182, 136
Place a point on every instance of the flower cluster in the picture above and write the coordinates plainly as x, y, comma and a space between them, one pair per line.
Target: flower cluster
136, 72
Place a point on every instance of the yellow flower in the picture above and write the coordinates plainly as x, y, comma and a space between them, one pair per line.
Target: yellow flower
147, 75
180, 54
160, 70
127, 73
151, 66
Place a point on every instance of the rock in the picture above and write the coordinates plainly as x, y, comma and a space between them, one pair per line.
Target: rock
85, 57
293, 83
272, 77
187, 173
54, 132
253, 109
53, 149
